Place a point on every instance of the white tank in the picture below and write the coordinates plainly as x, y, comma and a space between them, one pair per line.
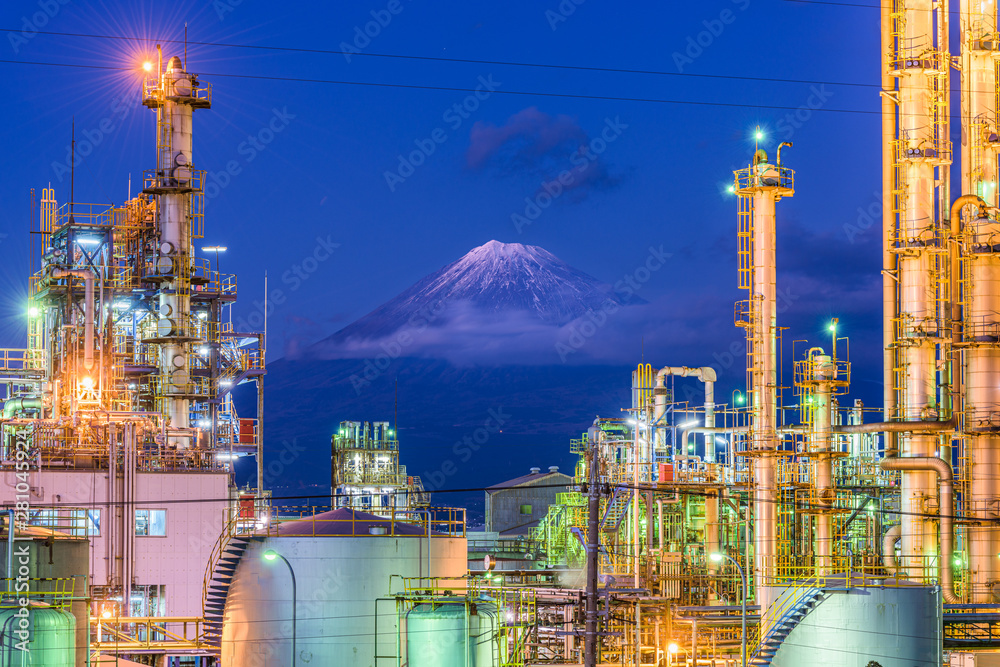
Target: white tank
338, 579
895, 626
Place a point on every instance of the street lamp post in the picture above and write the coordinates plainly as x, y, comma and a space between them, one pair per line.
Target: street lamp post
270, 555
216, 249
718, 558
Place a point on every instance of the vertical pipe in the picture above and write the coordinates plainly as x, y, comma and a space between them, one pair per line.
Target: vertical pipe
593, 534
982, 293
888, 219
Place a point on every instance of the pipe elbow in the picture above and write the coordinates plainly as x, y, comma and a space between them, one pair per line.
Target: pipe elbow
920, 463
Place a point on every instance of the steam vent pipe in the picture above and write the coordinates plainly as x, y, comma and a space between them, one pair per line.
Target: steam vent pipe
946, 505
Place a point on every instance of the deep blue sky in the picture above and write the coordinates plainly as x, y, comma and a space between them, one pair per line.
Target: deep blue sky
662, 181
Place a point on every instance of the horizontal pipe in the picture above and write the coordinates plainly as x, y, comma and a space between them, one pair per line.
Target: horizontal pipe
946, 509
897, 427
14, 405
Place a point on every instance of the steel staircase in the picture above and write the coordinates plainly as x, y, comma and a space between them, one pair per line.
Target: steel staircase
616, 510
804, 602
217, 590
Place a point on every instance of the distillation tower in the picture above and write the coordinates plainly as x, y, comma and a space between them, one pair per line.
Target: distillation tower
121, 401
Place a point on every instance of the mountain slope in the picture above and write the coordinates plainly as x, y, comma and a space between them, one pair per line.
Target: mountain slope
493, 282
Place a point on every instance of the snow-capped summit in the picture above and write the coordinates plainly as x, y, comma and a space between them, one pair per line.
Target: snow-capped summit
494, 281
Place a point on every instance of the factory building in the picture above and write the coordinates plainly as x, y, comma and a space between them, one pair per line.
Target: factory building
516, 506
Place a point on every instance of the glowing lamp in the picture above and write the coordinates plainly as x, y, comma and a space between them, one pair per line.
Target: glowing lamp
33, 312
832, 327
715, 558
87, 382
148, 66
105, 614
758, 135
672, 648
270, 555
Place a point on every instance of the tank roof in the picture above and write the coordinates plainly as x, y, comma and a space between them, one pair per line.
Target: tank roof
348, 522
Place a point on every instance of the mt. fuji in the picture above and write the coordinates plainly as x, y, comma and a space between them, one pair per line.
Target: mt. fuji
507, 291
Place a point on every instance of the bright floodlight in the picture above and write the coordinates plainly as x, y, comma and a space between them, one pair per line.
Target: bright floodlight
105, 614
215, 248
672, 647
758, 135
33, 312
832, 327
270, 555
148, 66
715, 558
732, 189
687, 424
739, 399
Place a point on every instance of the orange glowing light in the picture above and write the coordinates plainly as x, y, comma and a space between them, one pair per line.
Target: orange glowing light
105, 614
148, 66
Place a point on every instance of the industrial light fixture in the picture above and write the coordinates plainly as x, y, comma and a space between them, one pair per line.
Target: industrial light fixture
203, 315
214, 248
106, 614
87, 382
731, 189
672, 648
33, 312
87, 240
270, 555
715, 558
688, 424
225, 383
148, 66
758, 135
833, 326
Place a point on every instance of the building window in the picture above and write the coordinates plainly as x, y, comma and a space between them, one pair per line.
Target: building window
525, 509
150, 523
46, 518
85, 522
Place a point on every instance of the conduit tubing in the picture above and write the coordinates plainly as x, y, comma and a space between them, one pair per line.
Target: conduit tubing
889, 548
88, 333
897, 427
706, 374
946, 509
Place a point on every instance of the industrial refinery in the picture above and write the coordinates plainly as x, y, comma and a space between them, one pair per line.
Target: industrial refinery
786, 523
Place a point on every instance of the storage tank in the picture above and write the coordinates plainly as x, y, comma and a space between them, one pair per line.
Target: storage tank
343, 562
452, 634
52, 639
894, 625
56, 562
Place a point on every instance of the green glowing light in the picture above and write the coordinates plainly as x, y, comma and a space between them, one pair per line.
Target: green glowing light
758, 135
832, 327
270, 555
33, 312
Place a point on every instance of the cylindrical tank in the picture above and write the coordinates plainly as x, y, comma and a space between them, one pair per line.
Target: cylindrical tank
339, 577
439, 635
452, 634
53, 558
51, 641
896, 626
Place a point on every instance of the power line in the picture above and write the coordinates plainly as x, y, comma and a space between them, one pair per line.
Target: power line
471, 61
456, 89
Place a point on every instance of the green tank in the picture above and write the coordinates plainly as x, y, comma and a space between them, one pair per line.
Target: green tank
447, 635
50, 643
